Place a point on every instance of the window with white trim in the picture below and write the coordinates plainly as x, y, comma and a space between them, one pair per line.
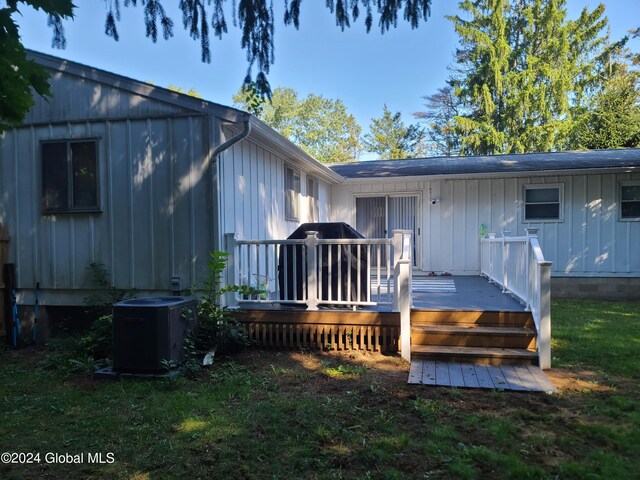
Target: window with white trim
291, 194
70, 176
630, 200
312, 197
543, 203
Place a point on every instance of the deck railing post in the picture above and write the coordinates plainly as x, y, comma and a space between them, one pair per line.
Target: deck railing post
492, 273
544, 335
311, 244
402, 285
505, 276
531, 233
396, 243
230, 247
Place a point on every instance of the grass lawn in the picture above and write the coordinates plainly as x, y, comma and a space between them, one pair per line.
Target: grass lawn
290, 415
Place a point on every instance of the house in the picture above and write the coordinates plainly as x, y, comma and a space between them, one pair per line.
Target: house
586, 206
146, 182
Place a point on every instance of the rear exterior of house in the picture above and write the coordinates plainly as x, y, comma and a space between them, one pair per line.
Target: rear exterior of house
585, 205
143, 181
146, 182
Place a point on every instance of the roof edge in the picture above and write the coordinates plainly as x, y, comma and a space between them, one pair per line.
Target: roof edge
137, 87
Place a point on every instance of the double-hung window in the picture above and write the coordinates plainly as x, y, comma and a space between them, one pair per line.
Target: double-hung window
291, 194
70, 176
630, 200
543, 203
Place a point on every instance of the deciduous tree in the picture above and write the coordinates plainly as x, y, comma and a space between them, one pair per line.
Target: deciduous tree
321, 126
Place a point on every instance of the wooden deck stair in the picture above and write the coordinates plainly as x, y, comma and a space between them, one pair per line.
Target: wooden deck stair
494, 338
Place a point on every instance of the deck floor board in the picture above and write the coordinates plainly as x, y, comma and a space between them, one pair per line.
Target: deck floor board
525, 378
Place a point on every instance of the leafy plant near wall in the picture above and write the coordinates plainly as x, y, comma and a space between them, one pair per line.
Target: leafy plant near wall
216, 330
100, 301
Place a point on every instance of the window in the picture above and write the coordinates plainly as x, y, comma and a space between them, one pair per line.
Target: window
69, 176
630, 201
291, 194
542, 203
312, 196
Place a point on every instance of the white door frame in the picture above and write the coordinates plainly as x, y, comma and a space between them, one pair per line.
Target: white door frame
386, 195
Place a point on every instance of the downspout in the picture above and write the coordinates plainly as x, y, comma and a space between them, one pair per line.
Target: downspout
216, 152
233, 140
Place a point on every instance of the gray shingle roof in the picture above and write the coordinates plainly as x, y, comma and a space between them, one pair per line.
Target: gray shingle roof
527, 162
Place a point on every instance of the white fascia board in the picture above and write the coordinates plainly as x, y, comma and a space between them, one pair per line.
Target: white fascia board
474, 176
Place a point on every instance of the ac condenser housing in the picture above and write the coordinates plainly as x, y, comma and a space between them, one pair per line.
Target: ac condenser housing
147, 331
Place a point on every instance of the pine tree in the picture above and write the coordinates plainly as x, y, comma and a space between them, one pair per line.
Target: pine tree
390, 138
522, 71
612, 118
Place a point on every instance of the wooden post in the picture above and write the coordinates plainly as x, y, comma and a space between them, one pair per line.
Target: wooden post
230, 248
311, 243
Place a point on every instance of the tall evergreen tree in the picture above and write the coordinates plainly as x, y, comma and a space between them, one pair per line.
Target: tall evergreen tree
390, 138
321, 126
612, 117
521, 71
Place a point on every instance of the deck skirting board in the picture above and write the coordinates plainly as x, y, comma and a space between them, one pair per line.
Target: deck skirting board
525, 378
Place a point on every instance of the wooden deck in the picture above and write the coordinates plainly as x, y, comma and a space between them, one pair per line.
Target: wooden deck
525, 378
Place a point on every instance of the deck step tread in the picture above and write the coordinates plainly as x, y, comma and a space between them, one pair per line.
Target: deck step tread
473, 330
474, 351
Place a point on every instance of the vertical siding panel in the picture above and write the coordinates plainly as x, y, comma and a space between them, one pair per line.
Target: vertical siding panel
593, 223
181, 198
160, 204
472, 254
170, 161
120, 204
142, 166
484, 205
435, 228
27, 206
203, 206
497, 205
459, 236
564, 260
607, 220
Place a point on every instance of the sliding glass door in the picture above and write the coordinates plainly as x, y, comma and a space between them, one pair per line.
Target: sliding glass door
377, 217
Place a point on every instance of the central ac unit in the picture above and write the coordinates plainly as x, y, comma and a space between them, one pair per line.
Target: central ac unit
148, 331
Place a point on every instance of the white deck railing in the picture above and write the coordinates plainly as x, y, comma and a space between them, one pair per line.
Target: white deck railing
313, 271
518, 266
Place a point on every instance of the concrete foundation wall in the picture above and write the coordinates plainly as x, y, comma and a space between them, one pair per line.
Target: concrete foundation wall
603, 288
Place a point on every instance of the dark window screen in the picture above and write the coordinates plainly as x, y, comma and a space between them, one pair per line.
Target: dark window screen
55, 182
83, 160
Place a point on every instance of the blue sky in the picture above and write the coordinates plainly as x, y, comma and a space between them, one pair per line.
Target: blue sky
364, 70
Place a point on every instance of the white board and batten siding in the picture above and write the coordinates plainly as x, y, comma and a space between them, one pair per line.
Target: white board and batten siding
252, 202
589, 240
155, 188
